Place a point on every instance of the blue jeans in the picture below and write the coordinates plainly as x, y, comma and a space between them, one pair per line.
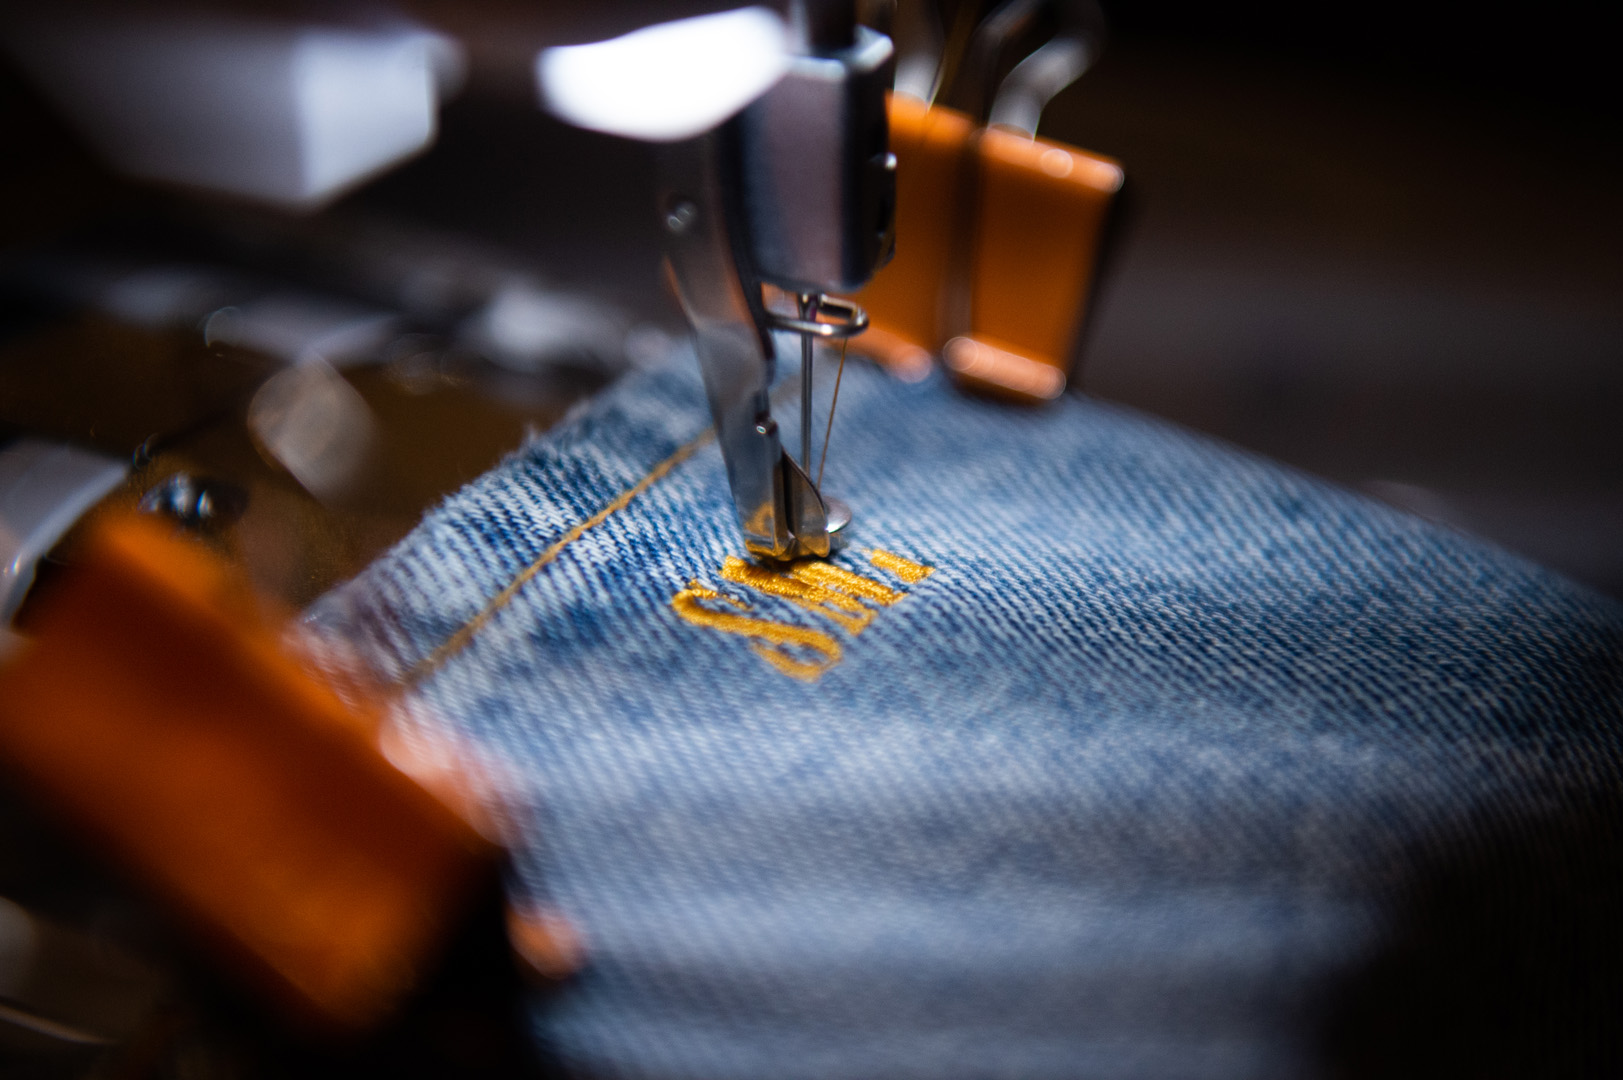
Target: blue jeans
1104, 750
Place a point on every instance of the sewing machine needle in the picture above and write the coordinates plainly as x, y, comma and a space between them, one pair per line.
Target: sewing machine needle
808, 311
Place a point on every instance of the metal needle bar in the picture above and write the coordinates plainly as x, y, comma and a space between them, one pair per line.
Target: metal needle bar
807, 303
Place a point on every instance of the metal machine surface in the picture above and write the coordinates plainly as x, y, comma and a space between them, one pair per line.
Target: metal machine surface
795, 189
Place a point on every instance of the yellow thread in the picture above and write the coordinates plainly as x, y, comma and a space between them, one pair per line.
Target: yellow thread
780, 637
812, 584
843, 609
459, 640
828, 432
829, 576
906, 569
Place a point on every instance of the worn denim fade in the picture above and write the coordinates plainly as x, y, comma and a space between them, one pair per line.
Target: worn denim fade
1130, 786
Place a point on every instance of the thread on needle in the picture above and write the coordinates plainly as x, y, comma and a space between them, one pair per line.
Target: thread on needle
832, 405
808, 311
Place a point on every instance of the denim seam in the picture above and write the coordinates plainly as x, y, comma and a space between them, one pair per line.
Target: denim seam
465, 633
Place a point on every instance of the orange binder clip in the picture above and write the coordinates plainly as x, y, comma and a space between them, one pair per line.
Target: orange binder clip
908, 300
999, 235
156, 709
1039, 223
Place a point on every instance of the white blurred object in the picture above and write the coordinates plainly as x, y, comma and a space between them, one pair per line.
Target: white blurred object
648, 347
525, 327
284, 113
670, 81
1037, 80
44, 488
164, 295
314, 424
298, 329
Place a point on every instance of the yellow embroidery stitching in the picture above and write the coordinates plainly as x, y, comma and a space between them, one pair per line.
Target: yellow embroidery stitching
843, 609
817, 586
466, 633
780, 638
906, 569
829, 576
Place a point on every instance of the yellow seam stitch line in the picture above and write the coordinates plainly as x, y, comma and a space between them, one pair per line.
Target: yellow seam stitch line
906, 569
459, 640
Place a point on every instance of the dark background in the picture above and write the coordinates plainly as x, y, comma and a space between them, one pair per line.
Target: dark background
1382, 242
1377, 241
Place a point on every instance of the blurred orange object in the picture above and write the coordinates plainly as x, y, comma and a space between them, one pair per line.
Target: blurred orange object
908, 298
1040, 215
157, 710
998, 240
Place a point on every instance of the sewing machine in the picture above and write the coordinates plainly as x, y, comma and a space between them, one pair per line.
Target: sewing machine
777, 201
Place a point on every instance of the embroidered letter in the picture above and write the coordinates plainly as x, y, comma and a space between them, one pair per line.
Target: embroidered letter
829, 576
906, 569
841, 605
819, 587
777, 639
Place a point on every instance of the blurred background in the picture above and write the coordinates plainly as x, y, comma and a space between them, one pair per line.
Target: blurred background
1380, 242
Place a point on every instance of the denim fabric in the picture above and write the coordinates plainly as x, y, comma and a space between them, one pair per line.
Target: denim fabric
1134, 784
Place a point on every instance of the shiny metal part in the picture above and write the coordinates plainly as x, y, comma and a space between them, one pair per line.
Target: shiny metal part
920, 42
839, 516
202, 503
1037, 79
818, 179
806, 304
44, 488
993, 38
853, 321
1072, 35
797, 191
780, 512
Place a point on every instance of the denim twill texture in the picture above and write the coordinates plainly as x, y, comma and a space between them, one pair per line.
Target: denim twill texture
1135, 784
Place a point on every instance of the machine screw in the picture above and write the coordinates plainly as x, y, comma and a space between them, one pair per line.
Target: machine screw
680, 216
197, 502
